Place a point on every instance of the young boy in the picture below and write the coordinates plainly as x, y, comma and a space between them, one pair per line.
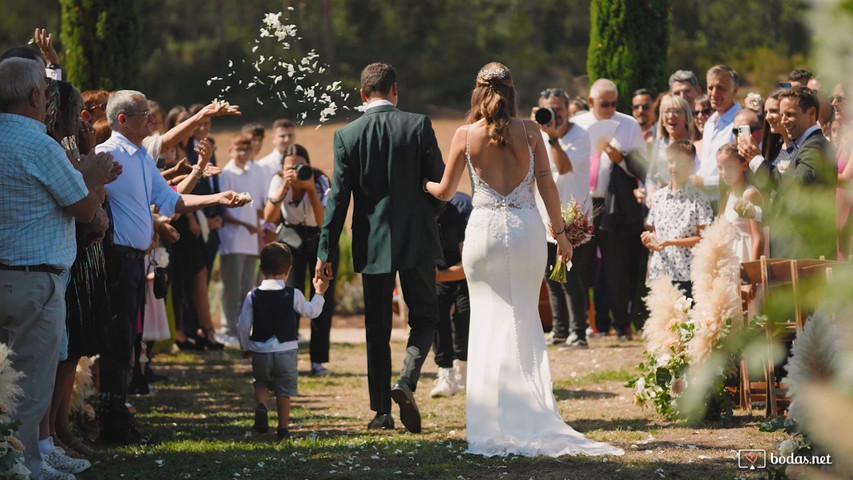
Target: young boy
678, 214
238, 248
267, 329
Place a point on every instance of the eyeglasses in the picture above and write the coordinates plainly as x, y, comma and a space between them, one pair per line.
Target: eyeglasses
145, 114
551, 92
642, 106
707, 112
604, 104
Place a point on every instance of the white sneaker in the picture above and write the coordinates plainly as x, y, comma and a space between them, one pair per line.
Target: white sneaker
460, 368
50, 473
63, 463
445, 384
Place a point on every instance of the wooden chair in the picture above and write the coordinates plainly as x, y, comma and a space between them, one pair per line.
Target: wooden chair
805, 280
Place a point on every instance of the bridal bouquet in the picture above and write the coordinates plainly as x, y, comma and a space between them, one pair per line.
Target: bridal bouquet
579, 228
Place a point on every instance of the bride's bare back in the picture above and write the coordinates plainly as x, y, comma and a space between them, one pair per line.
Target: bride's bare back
502, 167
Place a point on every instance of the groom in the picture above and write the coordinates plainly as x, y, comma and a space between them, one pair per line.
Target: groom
382, 159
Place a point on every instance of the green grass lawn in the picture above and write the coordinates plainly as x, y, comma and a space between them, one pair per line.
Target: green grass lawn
200, 424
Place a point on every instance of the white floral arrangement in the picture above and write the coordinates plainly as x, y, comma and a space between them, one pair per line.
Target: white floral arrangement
753, 101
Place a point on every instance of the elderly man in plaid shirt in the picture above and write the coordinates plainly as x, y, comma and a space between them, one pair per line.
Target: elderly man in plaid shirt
43, 194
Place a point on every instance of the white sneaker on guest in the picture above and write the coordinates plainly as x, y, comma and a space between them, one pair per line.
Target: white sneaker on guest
50, 473
445, 384
63, 463
460, 368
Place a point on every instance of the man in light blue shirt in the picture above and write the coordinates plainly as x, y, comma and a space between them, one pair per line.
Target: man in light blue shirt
131, 197
722, 87
43, 195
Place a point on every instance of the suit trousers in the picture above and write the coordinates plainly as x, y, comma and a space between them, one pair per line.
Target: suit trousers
451, 333
594, 273
621, 254
569, 300
418, 285
32, 314
304, 261
127, 288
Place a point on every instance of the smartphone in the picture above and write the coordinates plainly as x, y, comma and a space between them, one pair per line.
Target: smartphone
743, 131
784, 84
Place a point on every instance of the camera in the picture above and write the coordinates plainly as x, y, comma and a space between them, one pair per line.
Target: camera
544, 116
303, 171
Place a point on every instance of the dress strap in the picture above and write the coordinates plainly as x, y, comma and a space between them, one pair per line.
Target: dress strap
467, 134
529, 148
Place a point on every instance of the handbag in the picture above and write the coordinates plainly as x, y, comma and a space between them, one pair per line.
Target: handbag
157, 258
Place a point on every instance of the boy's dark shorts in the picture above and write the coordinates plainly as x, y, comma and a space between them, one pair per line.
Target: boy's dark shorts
277, 371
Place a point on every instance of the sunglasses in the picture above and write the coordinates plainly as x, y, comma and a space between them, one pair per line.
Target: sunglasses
551, 92
99, 106
707, 112
604, 104
836, 98
642, 106
751, 130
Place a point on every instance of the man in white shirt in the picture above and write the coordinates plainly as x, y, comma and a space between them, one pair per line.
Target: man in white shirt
722, 87
131, 197
617, 232
238, 250
568, 153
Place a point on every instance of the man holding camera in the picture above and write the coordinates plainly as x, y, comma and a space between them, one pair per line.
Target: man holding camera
568, 152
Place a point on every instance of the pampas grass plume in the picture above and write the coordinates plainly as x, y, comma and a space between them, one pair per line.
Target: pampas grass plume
83, 388
9, 389
815, 356
664, 313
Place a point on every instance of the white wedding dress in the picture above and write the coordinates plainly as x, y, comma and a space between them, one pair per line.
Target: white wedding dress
511, 407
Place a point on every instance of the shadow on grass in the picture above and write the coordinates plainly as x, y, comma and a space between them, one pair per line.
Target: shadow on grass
565, 394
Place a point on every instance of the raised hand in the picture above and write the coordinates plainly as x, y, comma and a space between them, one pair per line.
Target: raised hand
744, 208
205, 153
233, 199
210, 170
44, 41
218, 109
747, 147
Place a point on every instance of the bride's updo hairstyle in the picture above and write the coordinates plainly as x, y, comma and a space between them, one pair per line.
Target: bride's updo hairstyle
493, 99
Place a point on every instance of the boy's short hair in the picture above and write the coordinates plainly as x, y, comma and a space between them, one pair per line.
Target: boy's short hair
683, 148
275, 259
241, 140
283, 123
730, 149
254, 129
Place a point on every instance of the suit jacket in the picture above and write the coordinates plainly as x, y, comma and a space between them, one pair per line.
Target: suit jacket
802, 208
622, 212
381, 160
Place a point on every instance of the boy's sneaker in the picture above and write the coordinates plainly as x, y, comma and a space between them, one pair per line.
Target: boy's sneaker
282, 434
63, 463
50, 473
576, 344
552, 339
262, 421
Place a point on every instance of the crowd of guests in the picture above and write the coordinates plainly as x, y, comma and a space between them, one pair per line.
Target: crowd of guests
654, 179
123, 208
122, 203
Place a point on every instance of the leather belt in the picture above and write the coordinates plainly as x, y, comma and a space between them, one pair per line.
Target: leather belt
32, 268
129, 252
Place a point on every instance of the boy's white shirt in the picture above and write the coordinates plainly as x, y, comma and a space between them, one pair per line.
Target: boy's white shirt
301, 306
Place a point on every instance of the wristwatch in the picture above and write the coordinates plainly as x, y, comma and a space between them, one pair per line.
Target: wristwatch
552, 141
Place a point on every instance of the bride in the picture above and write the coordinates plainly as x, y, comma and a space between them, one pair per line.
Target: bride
510, 403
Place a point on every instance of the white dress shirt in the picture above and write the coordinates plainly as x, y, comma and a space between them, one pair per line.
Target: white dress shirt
134, 191
628, 138
269, 165
574, 184
717, 132
237, 238
301, 306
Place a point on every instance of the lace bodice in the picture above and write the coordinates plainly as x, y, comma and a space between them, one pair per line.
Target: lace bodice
521, 197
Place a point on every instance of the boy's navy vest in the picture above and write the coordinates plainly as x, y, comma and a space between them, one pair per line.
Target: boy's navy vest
273, 315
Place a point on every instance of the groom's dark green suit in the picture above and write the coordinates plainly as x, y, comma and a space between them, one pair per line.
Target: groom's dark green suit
381, 160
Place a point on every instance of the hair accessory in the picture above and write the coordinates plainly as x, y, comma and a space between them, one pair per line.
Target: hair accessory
493, 73
754, 101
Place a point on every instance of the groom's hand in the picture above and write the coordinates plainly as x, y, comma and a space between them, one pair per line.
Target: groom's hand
323, 270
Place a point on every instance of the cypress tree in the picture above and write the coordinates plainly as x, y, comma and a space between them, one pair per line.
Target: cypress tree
101, 39
628, 43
